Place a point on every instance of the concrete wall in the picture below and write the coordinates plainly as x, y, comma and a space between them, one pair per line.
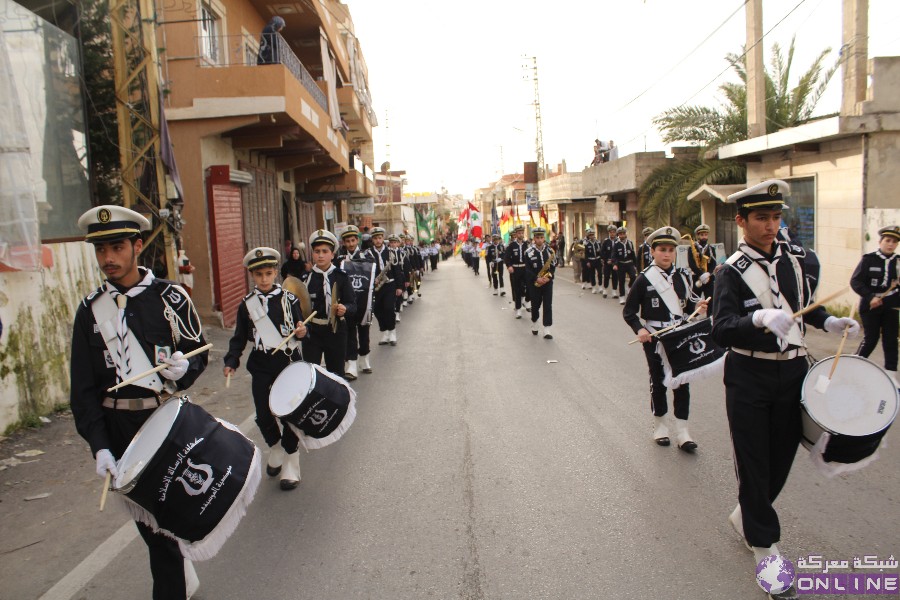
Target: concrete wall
37, 310
622, 175
561, 187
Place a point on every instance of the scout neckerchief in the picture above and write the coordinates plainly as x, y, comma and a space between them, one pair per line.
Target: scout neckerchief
265, 334
123, 350
777, 300
327, 285
887, 262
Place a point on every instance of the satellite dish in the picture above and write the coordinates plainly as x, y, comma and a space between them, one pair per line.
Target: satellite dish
385, 166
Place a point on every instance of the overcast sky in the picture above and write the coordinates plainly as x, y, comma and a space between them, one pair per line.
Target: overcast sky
455, 101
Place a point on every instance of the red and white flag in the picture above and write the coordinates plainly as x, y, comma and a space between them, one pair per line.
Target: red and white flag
475, 221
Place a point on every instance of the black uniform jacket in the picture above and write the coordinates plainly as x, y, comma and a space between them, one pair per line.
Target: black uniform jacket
591, 249
244, 331
314, 284
606, 248
383, 260
646, 257
534, 262
734, 304
644, 302
493, 252
623, 252
869, 278
92, 374
515, 253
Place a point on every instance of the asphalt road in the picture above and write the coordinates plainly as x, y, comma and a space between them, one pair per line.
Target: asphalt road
478, 469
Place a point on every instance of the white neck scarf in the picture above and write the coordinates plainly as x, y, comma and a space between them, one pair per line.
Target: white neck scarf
771, 268
264, 296
123, 362
327, 285
887, 262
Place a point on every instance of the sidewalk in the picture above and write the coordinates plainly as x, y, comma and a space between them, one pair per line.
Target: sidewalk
50, 494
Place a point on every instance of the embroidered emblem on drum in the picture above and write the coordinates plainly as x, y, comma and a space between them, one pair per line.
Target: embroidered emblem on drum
103, 215
697, 346
358, 282
318, 417
189, 479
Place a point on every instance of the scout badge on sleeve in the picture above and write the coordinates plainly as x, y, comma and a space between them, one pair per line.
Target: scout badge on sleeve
317, 405
189, 476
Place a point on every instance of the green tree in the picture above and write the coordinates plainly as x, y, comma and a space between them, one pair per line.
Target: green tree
665, 191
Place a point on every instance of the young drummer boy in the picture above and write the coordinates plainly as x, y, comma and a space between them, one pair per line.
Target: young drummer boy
265, 317
324, 339
663, 296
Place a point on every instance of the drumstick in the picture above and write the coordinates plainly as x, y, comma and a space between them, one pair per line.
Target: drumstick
288, 338
106, 483
228, 381
823, 382
816, 304
157, 369
665, 329
887, 291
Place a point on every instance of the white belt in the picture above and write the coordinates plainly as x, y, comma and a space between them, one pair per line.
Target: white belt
320, 321
661, 324
134, 403
789, 355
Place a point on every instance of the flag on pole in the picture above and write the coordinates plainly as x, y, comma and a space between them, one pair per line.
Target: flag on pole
506, 225
462, 230
495, 220
423, 227
475, 221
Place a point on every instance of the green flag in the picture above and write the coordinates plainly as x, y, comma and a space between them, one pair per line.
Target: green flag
422, 225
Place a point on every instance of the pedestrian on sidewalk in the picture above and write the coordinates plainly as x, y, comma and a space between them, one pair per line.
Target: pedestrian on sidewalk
132, 323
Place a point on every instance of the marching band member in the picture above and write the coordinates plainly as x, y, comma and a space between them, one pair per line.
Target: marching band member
129, 325
623, 258
323, 340
383, 300
701, 260
606, 252
662, 295
357, 332
875, 280
644, 255
756, 292
541, 285
592, 265
514, 259
493, 255
398, 257
265, 317
476, 259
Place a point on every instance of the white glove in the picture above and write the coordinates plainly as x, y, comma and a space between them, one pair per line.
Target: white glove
106, 462
704, 278
775, 320
178, 366
837, 324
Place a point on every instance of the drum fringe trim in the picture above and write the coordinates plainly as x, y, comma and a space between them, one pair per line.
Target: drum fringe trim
209, 546
710, 370
311, 443
833, 469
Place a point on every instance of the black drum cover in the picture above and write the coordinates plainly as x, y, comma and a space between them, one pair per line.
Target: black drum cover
362, 280
689, 352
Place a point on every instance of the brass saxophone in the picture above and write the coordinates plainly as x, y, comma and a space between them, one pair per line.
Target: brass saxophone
545, 270
579, 250
382, 277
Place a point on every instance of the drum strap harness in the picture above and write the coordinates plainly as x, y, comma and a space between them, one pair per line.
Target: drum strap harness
119, 339
267, 335
763, 282
662, 283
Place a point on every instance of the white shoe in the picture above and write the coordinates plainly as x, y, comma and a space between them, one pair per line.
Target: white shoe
615, 295
622, 300
364, 363
393, 340
661, 433
737, 523
683, 437
760, 553
397, 316
350, 372
496, 292
290, 474
191, 581
518, 313
385, 338
594, 290
605, 292
534, 328
584, 286
275, 460
527, 306
547, 334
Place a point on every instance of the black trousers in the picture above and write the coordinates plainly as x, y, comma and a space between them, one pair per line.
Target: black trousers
357, 340
384, 306
762, 400
518, 285
497, 275
623, 270
434, 260
542, 297
487, 267
264, 369
476, 263
681, 396
321, 341
166, 562
881, 322
610, 276
592, 273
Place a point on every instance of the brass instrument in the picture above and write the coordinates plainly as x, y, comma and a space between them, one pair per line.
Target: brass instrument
579, 250
382, 277
545, 270
702, 261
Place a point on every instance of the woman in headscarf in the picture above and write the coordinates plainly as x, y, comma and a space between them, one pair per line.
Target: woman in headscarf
294, 265
268, 43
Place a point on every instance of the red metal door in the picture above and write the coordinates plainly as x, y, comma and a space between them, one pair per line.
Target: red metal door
226, 232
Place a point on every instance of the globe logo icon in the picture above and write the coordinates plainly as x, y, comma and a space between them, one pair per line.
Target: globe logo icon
775, 574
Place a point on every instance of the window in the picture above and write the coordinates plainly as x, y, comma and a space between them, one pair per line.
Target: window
209, 33
800, 218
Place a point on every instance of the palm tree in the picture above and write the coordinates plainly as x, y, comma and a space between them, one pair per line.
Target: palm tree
666, 189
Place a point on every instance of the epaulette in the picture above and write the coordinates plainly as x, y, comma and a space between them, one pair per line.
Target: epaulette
172, 293
90, 297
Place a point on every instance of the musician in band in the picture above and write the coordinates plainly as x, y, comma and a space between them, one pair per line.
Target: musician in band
540, 268
493, 256
606, 256
387, 291
514, 259
265, 317
357, 332
662, 295
132, 323
643, 252
402, 269
875, 281
701, 261
592, 264
328, 329
623, 259
756, 293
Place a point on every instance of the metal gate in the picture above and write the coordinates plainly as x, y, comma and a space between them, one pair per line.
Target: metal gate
227, 243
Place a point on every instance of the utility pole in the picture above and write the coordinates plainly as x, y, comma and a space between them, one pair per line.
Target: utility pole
539, 133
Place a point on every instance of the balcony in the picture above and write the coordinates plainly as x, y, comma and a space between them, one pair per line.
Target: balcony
347, 185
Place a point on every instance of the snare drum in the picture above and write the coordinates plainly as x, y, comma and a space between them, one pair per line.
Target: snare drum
189, 476
857, 409
319, 405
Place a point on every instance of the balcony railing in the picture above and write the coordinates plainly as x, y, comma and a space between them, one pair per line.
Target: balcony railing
241, 50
